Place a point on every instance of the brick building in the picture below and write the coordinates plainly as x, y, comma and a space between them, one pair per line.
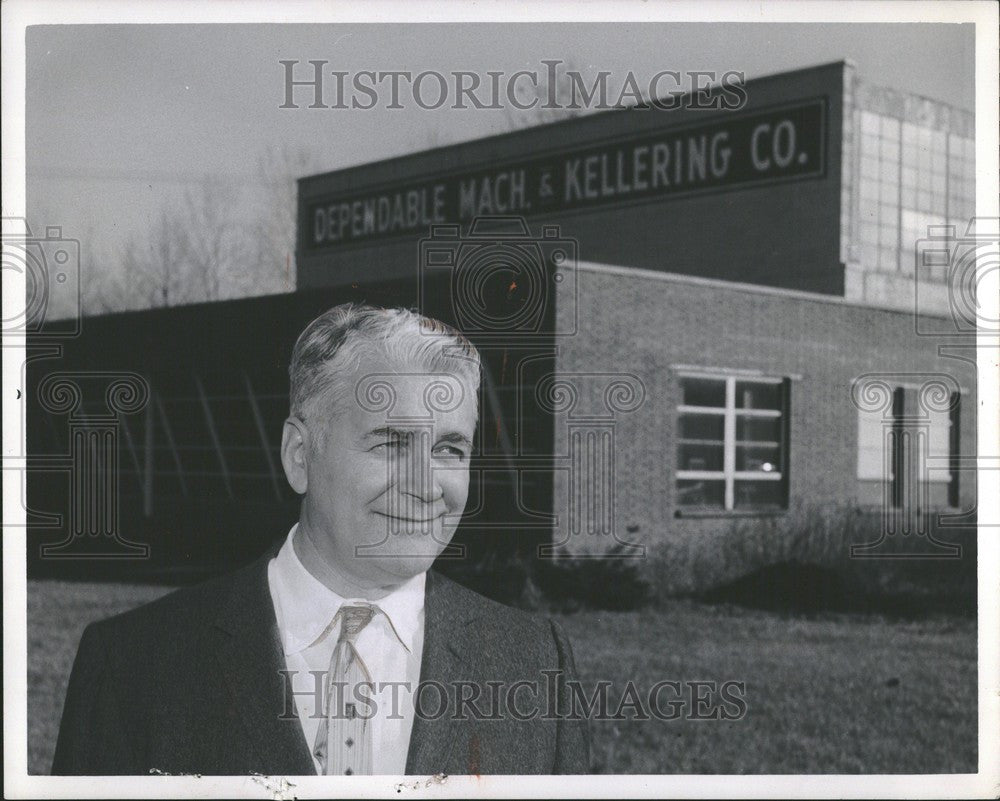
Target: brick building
742, 321
691, 318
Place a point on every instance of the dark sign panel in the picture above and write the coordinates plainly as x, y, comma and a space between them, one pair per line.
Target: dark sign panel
737, 151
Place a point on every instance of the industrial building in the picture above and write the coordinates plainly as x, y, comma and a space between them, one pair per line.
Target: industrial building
689, 319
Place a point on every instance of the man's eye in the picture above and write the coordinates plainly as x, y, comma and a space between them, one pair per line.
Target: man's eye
451, 452
392, 444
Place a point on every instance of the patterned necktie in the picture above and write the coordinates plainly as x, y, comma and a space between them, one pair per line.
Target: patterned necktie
344, 741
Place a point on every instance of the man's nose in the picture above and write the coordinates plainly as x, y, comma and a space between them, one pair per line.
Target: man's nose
417, 477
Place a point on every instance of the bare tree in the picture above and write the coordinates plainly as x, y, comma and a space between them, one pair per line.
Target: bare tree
152, 263
222, 239
279, 168
93, 287
213, 240
103, 285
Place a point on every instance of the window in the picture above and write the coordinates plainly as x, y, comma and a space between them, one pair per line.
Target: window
911, 176
939, 444
732, 443
915, 225
879, 191
924, 194
909, 444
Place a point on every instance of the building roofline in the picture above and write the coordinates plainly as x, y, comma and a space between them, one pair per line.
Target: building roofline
552, 125
739, 286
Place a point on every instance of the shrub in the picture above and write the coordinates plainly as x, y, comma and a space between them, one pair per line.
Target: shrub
805, 558
610, 582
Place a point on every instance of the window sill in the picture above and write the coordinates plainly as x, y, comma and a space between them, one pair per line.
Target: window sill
879, 508
722, 513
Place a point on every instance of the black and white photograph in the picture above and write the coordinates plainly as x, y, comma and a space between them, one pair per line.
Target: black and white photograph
501, 400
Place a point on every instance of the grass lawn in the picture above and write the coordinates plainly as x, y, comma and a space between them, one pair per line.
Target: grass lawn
833, 695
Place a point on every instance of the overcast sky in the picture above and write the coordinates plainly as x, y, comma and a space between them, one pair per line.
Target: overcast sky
121, 117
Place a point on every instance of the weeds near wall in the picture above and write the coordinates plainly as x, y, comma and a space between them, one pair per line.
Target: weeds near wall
800, 561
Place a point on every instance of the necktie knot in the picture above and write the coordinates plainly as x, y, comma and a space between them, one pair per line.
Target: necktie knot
352, 620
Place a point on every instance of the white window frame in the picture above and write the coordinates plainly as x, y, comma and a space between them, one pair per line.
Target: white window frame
729, 473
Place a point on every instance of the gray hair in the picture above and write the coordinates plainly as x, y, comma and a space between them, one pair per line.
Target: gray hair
331, 347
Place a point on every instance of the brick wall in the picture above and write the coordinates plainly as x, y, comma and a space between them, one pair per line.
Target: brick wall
641, 326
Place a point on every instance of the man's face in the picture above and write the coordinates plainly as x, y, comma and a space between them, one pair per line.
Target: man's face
388, 479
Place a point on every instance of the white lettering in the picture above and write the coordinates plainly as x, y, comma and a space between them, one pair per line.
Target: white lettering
760, 164
661, 158
517, 189
467, 199
720, 153
783, 155
696, 158
639, 166
573, 189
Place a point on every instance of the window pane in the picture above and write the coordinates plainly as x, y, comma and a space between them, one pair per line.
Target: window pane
759, 495
704, 392
696, 456
939, 434
762, 458
757, 396
758, 429
704, 494
756, 446
703, 426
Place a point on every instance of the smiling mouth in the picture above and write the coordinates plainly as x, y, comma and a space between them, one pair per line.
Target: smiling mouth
410, 519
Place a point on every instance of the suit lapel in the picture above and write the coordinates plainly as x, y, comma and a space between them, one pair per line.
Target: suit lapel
251, 659
449, 656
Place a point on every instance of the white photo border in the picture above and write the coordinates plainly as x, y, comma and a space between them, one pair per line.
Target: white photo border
18, 14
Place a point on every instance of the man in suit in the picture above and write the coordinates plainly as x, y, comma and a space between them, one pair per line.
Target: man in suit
338, 651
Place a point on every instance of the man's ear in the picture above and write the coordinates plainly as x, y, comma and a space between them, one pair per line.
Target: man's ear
294, 448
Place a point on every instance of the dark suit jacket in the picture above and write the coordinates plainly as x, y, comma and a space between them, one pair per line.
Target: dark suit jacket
191, 683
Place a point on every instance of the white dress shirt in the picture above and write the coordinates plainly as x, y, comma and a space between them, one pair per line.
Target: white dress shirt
390, 645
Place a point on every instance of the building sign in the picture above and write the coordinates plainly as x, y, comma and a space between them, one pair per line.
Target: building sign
734, 151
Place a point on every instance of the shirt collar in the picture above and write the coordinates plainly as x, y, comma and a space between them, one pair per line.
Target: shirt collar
305, 606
